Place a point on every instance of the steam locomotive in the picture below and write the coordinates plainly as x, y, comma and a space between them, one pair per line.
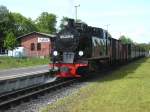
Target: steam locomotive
79, 48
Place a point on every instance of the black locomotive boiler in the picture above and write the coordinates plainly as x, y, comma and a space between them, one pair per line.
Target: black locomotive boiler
79, 48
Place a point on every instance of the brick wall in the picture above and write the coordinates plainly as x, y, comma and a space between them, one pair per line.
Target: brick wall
33, 38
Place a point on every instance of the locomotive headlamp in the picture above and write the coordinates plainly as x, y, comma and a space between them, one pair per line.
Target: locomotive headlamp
55, 53
80, 53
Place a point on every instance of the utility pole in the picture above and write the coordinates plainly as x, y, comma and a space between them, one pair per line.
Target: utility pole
107, 26
76, 11
120, 34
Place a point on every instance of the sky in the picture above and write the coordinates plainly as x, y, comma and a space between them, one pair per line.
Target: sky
123, 17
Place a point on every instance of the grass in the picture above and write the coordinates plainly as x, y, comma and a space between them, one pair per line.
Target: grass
125, 90
9, 62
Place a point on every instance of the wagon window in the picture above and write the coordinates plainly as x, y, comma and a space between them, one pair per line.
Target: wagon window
32, 46
38, 46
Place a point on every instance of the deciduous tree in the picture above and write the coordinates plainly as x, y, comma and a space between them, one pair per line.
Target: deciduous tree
22, 24
10, 41
125, 40
46, 22
6, 22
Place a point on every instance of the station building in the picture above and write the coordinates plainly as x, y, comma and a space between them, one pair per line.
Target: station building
36, 44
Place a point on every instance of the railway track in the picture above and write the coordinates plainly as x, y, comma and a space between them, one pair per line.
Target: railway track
13, 98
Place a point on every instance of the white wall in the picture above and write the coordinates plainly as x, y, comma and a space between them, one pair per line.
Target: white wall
17, 52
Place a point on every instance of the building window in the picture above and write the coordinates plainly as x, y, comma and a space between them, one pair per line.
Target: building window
38, 46
32, 46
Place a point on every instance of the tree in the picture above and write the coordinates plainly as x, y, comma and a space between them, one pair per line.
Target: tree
145, 46
22, 24
6, 22
10, 41
125, 40
46, 23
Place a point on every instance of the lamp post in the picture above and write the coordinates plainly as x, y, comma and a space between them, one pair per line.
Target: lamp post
76, 11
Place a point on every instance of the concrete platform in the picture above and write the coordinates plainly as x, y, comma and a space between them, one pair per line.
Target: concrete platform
14, 79
24, 71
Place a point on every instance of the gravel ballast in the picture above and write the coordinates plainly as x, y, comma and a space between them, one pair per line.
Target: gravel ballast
35, 105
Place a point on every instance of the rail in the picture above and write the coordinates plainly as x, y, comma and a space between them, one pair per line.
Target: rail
11, 98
